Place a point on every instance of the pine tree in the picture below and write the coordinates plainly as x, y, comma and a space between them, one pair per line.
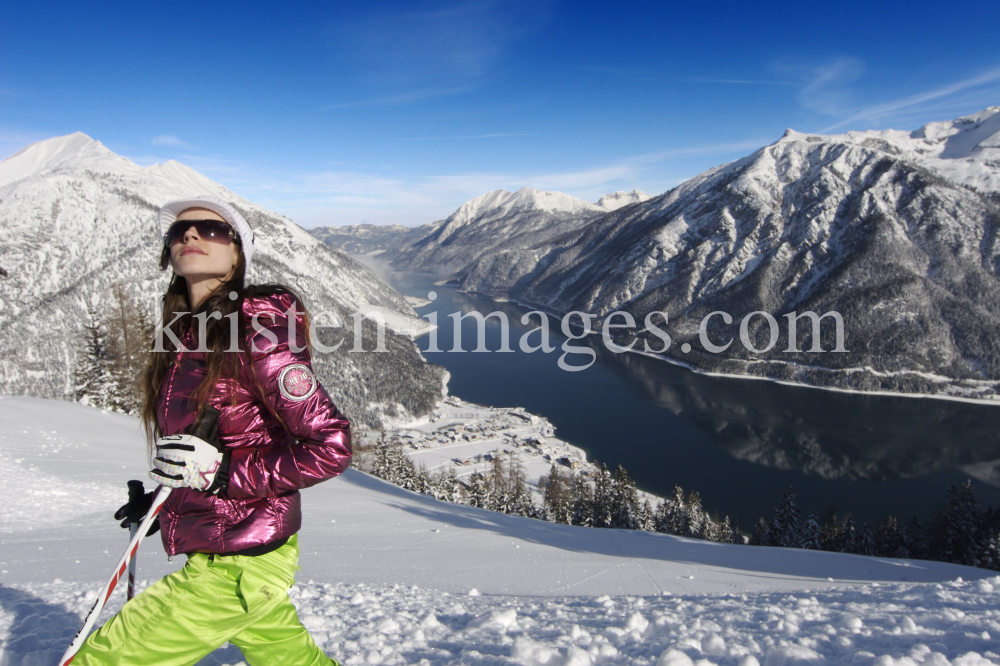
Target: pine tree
915, 539
829, 534
671, 515
710, 530
646, 513
737, 532
694, 514
94, 382
956, 533
989, 554
809, 535
761, 535
624, 502
890, 539
660, 517
726, 531
603, 504
785, 524
448, 488
583, 502
480, 494
847, 538
866, 540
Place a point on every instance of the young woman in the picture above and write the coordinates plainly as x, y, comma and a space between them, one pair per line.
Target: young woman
234, 509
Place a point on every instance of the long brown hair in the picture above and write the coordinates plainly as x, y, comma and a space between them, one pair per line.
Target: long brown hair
220, 365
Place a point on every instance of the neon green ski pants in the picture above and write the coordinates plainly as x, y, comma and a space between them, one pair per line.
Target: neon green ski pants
213, 599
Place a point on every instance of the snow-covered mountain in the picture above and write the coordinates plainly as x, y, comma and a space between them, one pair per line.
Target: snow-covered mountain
372, 239
616, 200
896, 231
498, 220
965, 150
77, 218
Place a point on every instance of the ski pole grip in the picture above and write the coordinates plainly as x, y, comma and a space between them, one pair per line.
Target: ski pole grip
135, 491
206, 427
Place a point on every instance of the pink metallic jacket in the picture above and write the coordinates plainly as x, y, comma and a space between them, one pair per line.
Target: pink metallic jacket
270, 460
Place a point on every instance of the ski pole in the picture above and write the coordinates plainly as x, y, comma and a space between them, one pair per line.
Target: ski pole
132, 529
135, 495
205, 428
109, 587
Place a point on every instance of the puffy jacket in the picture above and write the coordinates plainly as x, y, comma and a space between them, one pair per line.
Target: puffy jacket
270, 459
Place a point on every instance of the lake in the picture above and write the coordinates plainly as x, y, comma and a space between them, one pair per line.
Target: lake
738, 442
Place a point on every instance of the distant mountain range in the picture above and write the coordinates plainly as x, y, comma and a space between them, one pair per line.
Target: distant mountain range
495, 221
77, 218
895, 230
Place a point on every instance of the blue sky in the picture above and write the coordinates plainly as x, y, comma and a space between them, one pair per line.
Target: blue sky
340, 113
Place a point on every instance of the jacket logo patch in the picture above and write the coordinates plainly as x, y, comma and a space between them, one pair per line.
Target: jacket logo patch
297, 382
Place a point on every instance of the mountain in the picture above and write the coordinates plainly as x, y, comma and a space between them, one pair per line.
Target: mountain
616, 200
78, 219
896, 231
372, 239
495, 221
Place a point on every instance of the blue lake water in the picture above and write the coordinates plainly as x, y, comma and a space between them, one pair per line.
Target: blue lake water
738, 442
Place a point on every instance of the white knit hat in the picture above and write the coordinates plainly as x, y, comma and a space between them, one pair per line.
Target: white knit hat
170, 211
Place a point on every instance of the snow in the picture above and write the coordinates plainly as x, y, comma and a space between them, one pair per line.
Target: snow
392, 577
62, 151
616, 200
397, 322
965, 150
463, 437
526, 198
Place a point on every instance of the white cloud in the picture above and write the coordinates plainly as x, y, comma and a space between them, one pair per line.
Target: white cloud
930, 99
828, 88
170, 140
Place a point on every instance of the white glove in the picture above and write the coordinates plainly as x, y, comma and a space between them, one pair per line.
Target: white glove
186, 460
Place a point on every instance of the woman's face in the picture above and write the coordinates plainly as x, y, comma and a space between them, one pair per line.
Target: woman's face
194, 258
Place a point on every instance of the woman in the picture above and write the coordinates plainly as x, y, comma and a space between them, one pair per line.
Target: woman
234, 509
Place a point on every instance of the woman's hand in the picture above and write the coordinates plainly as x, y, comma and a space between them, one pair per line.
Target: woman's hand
189, 461
138, 505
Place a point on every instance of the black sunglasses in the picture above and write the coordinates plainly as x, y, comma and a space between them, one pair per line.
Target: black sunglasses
214, 231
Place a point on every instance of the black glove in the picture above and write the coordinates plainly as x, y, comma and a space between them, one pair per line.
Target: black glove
138, 505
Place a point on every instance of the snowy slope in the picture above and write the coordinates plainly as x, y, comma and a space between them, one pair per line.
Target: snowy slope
965, 150
885, 228
394, 577
78, 218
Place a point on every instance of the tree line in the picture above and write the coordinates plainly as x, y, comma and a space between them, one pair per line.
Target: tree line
962, 531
